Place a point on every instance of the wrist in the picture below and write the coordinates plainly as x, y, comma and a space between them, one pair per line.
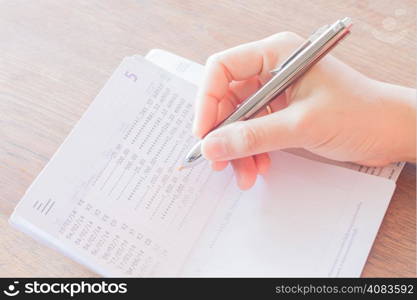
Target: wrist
398, 105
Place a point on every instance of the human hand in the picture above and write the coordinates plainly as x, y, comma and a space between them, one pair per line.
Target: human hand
332, 110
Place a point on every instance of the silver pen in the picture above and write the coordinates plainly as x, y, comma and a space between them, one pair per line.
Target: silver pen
303, 58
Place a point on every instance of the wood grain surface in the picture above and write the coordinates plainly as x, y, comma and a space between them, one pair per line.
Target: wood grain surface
56, 55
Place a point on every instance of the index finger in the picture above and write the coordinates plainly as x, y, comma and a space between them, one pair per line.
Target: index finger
236, 64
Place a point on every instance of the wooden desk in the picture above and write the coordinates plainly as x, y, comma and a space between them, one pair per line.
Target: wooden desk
56, 55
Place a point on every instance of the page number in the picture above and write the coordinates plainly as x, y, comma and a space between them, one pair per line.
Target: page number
131, 76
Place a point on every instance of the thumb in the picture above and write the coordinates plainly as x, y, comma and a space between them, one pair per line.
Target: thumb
279, 130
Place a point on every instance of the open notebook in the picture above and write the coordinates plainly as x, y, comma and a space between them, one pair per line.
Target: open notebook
112, 199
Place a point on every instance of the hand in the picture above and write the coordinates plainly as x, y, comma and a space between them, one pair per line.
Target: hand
332, 110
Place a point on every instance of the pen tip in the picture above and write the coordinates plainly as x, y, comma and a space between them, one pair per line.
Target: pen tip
180, 168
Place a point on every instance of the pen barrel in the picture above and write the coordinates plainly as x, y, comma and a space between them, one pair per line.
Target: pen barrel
306, 57
290, 70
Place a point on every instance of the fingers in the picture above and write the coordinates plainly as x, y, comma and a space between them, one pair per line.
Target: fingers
236, 64
219, 165
246, 171
238, 92
239, 63
230, 77
280, 130
263, 162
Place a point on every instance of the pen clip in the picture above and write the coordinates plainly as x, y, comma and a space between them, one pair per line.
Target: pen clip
311, 39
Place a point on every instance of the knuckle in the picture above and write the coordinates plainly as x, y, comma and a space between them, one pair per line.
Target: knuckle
214, 58
288, 35
285, 41
249, 137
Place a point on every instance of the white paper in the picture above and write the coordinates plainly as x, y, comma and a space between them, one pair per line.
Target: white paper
111, 196
303, 219
326, 229
112, 199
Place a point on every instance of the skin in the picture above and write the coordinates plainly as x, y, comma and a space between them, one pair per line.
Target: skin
332, 110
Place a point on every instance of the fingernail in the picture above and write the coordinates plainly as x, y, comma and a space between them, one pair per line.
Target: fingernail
214, 148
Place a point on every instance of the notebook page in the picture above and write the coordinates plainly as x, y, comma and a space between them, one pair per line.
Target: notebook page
302, 219
117, 205
193, 73
111, 197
